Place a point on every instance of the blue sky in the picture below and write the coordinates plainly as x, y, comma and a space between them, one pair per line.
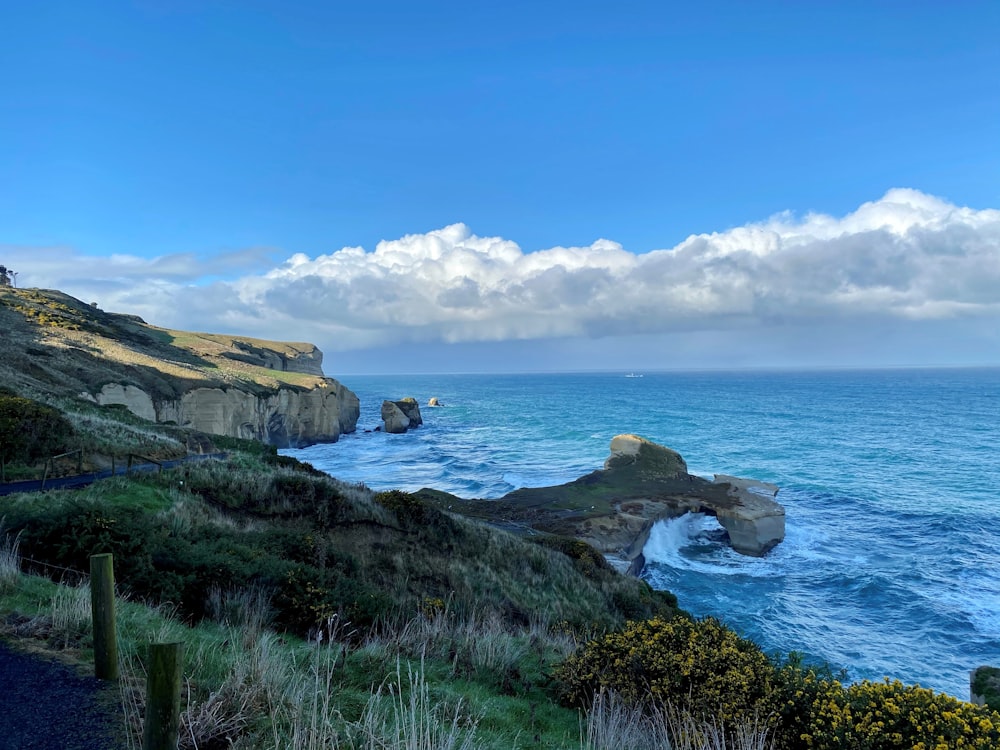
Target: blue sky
172, 158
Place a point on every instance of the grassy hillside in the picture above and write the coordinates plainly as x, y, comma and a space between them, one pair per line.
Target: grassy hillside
319, 614
56, 344
416, 600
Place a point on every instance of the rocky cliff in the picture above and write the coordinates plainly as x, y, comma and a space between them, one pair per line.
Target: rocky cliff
218, 384
614, 508
287, 417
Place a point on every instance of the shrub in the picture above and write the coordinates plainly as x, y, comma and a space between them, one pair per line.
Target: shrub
986, 684
810, 707
310, 597
700, 666
818, 713
588, 560
407, 507
30, 431
892, 716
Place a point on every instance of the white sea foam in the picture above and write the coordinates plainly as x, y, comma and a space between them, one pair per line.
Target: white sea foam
696, 542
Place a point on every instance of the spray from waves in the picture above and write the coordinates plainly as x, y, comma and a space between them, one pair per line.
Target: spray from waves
696, 542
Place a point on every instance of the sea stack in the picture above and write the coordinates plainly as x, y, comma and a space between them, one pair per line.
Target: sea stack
400, 416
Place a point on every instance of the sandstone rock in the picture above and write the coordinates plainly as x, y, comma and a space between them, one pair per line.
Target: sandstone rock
652, 460
396, 421
289, 417
134, 399
303, 358
614, 509
756, 523
400, 416
412, 411
434, 401
752, 485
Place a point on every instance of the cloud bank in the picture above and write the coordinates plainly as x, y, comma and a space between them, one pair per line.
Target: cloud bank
908, 256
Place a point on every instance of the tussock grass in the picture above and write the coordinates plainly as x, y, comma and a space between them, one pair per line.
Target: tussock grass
414, 720
117, 433
615, 724
10, 558
70, 615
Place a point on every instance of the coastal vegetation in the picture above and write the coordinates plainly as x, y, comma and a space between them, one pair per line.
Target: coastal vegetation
320, 614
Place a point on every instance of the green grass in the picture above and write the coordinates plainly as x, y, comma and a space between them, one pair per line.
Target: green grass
247, 687
234, 671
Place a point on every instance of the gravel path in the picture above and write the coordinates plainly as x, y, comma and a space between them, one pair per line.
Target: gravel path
45, 705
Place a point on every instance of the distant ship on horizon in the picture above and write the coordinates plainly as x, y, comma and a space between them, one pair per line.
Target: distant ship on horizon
633, 375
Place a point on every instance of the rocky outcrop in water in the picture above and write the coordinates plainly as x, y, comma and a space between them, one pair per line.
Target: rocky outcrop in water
400, 416
614, 508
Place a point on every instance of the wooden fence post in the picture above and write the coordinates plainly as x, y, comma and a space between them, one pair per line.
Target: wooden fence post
102, 605
163, 696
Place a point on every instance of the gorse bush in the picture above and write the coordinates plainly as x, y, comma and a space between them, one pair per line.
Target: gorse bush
30, 431
886, 716
704, 668
701, 666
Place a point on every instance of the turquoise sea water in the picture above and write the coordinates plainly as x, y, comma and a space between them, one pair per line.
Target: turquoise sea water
890, 480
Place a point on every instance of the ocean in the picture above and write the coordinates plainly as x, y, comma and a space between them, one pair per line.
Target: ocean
890, 480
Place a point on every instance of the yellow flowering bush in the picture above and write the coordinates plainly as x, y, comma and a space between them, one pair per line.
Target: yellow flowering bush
705, 668
698, 665
811, 709
820, 714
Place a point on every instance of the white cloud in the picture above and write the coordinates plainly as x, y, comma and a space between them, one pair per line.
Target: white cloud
907, 256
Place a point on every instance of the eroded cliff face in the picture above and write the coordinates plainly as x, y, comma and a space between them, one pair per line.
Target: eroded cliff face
221, 384
303, 358
287, 418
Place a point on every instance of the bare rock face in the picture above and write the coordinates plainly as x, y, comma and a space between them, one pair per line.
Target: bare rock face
286, 418
289, 418
755, 522
303, 358
396, 421
131, 397
400, 416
